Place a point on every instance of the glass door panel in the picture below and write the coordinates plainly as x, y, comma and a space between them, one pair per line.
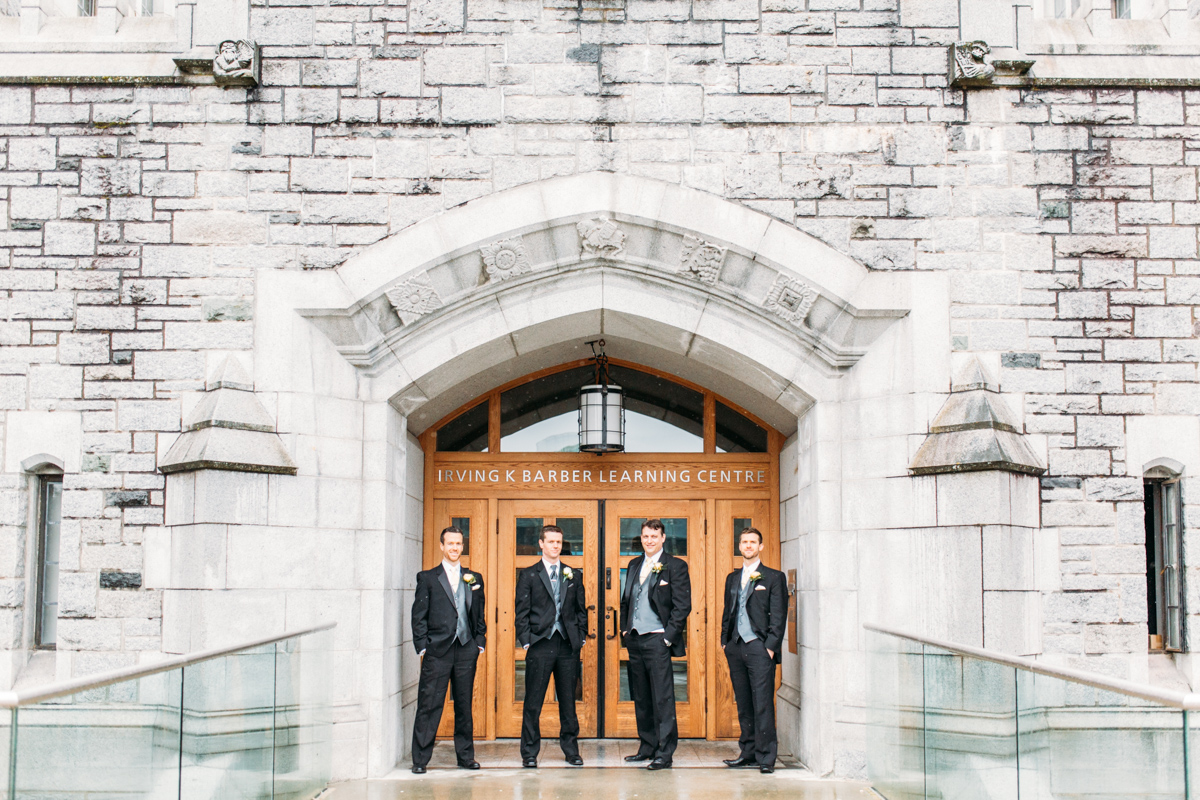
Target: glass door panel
469, 516
685, 529
733, 516
521, 524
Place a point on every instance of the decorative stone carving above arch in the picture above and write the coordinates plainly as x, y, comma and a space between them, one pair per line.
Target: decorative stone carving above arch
683, 271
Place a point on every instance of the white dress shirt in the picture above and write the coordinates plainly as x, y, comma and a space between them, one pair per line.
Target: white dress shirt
453, 572
747, 569
648, 564
551, 566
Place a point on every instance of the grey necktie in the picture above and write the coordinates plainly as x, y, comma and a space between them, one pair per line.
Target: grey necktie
462, 633
554, 586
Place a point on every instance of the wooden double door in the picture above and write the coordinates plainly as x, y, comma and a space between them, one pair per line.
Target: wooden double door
600, 539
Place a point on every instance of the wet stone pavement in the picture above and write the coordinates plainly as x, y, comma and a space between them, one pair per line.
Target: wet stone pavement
698, 773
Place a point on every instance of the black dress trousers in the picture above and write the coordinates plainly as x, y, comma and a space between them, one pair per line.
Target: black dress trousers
545, 658
456, 668
752, 672
652, 688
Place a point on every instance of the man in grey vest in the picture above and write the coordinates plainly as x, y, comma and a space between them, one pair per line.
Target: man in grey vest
654, 608
551, 624
449, 632
752, 627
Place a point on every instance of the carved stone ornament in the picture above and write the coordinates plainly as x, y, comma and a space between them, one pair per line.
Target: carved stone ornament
601, 237
414, 298
236, 63
970, 64
701, 259
505, 259
790, 299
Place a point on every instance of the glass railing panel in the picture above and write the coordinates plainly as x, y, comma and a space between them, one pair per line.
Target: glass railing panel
895, 712
115, 741
1083, 743
970, 727
303, 723
1192, 724
229, 726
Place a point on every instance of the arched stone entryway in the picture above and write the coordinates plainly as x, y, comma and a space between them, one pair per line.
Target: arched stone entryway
727, 298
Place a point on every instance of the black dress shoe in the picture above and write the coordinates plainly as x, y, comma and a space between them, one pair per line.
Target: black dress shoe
468, 765
529, 762
740, 761
766, 770
637, 757
660, 763
575, 761
418, 770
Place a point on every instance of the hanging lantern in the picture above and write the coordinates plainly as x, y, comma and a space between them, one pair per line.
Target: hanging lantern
601, 410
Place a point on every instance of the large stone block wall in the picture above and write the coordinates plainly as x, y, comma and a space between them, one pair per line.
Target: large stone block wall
1059, 224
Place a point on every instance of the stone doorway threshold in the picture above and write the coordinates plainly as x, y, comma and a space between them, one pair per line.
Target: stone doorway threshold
605, 753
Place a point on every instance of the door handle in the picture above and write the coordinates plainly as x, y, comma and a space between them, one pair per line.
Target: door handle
608, 614
591, 635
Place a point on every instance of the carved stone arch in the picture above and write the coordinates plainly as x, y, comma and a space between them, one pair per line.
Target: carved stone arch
504, 285
1167, 468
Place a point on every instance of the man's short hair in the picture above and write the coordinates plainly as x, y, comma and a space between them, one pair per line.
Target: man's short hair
549, 529
755, 531
451, 529
655, 525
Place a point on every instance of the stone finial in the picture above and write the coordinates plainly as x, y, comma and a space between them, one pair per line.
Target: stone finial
231, 375
790, 299
414, 298
701, 259
968, 62
974, 431
229, 429
601, 237
236, 63
505, 259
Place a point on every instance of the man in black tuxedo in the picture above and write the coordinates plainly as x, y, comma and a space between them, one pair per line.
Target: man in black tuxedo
552, 627
449, 631
752, 627
654, 608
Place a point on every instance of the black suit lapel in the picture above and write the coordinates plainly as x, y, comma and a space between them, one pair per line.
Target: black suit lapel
631, 574
467, 591
545, 576
444, 580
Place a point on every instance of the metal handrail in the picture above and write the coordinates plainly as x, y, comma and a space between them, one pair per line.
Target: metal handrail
36, 694
1186, 701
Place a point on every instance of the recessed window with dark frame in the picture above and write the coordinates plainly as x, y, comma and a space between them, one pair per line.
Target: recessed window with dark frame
49, 522
1164, 561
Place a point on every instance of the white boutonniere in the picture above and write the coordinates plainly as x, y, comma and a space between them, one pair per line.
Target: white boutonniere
657, 568
755, 576
468, 579
567, 573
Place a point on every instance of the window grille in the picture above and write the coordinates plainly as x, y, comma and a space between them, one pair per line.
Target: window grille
49, 526
1164, 564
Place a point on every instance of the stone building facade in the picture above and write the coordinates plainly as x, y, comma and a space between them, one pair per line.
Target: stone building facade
1029, 233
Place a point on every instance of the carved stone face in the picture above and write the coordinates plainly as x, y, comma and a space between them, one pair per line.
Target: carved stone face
228, 51
977, 52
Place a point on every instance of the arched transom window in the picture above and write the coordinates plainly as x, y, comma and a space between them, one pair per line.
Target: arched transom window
540, 414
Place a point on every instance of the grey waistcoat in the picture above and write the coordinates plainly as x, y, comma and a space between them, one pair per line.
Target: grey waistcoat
644, 618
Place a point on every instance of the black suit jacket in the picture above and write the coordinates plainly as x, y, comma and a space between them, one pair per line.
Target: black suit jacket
670, 597
435, 617
766, 607
535, 606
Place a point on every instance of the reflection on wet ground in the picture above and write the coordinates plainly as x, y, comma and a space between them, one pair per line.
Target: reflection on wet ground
693, 777
593, 782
